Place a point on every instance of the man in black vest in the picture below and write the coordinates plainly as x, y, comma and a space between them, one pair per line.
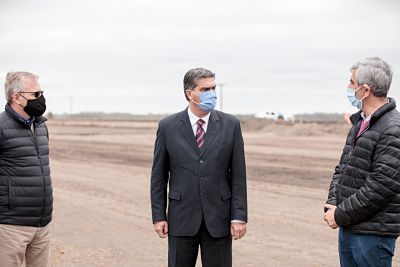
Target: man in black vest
199, 153
26, 200
364, 196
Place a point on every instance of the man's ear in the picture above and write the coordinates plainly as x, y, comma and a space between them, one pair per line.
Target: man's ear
369, 91
15, 98
188, 94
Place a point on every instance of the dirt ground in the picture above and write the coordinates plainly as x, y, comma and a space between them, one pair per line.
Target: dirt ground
101, 176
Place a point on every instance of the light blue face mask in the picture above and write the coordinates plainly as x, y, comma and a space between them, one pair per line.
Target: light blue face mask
208, 100
351, 95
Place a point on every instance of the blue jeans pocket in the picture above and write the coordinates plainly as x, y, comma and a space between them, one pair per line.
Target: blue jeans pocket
386, 249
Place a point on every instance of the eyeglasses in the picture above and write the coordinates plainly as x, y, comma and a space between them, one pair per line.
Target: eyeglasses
36, 94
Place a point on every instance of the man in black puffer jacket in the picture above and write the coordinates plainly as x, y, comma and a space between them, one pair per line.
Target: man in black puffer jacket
364, 196
26, 198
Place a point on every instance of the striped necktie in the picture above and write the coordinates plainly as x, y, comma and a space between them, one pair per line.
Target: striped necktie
200, 133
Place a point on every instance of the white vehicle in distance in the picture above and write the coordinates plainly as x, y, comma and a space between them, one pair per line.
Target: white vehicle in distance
275, 116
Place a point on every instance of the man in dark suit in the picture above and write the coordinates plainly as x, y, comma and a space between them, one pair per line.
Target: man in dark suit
199, 152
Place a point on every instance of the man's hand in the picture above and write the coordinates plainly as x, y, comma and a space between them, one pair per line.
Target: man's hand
238, 230
161, 228
330, 216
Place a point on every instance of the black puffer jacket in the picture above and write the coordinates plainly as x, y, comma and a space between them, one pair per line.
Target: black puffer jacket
366, 183
25, 185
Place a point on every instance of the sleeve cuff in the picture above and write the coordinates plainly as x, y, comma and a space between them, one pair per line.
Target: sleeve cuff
237, 221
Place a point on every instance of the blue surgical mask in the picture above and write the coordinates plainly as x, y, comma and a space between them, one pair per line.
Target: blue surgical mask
208, 100
351, 95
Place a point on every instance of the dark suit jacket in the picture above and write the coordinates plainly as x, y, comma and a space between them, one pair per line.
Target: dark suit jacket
209, 183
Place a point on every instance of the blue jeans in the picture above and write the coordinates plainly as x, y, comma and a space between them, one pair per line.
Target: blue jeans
363, 250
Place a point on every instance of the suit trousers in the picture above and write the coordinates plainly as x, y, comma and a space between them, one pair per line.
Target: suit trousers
19, 244
215, 252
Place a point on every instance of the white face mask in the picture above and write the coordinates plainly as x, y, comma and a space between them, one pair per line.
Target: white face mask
351, 95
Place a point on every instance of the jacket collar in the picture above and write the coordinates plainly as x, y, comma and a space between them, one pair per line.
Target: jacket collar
390, 105
18, 118
186, 129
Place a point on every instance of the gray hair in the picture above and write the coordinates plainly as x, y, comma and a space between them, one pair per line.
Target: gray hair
15, 82
376, 73
192, 76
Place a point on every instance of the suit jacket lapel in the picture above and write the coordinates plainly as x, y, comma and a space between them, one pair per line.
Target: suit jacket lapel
187, 130
212, 130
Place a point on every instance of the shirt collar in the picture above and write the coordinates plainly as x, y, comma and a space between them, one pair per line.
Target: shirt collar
365, 118
193, 118
369, 117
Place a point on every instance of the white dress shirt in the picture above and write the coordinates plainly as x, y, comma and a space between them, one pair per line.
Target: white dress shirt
365, 118
193, 121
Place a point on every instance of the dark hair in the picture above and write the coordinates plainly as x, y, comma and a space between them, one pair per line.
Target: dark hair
191, 77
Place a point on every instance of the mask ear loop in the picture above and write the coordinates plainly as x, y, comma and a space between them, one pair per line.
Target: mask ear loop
192, 99
365, 91
18, 93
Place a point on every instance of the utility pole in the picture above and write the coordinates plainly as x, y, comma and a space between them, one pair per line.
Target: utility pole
221, 96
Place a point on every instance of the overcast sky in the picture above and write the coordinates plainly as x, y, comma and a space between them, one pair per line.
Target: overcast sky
131, 55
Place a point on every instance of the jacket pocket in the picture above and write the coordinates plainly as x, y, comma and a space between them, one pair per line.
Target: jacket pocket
225, 195
174, 195
221, 145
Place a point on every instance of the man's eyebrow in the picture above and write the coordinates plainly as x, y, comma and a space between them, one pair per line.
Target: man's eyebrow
213, 87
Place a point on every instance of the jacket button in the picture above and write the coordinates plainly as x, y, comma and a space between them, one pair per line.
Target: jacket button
201, 178
201, 161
